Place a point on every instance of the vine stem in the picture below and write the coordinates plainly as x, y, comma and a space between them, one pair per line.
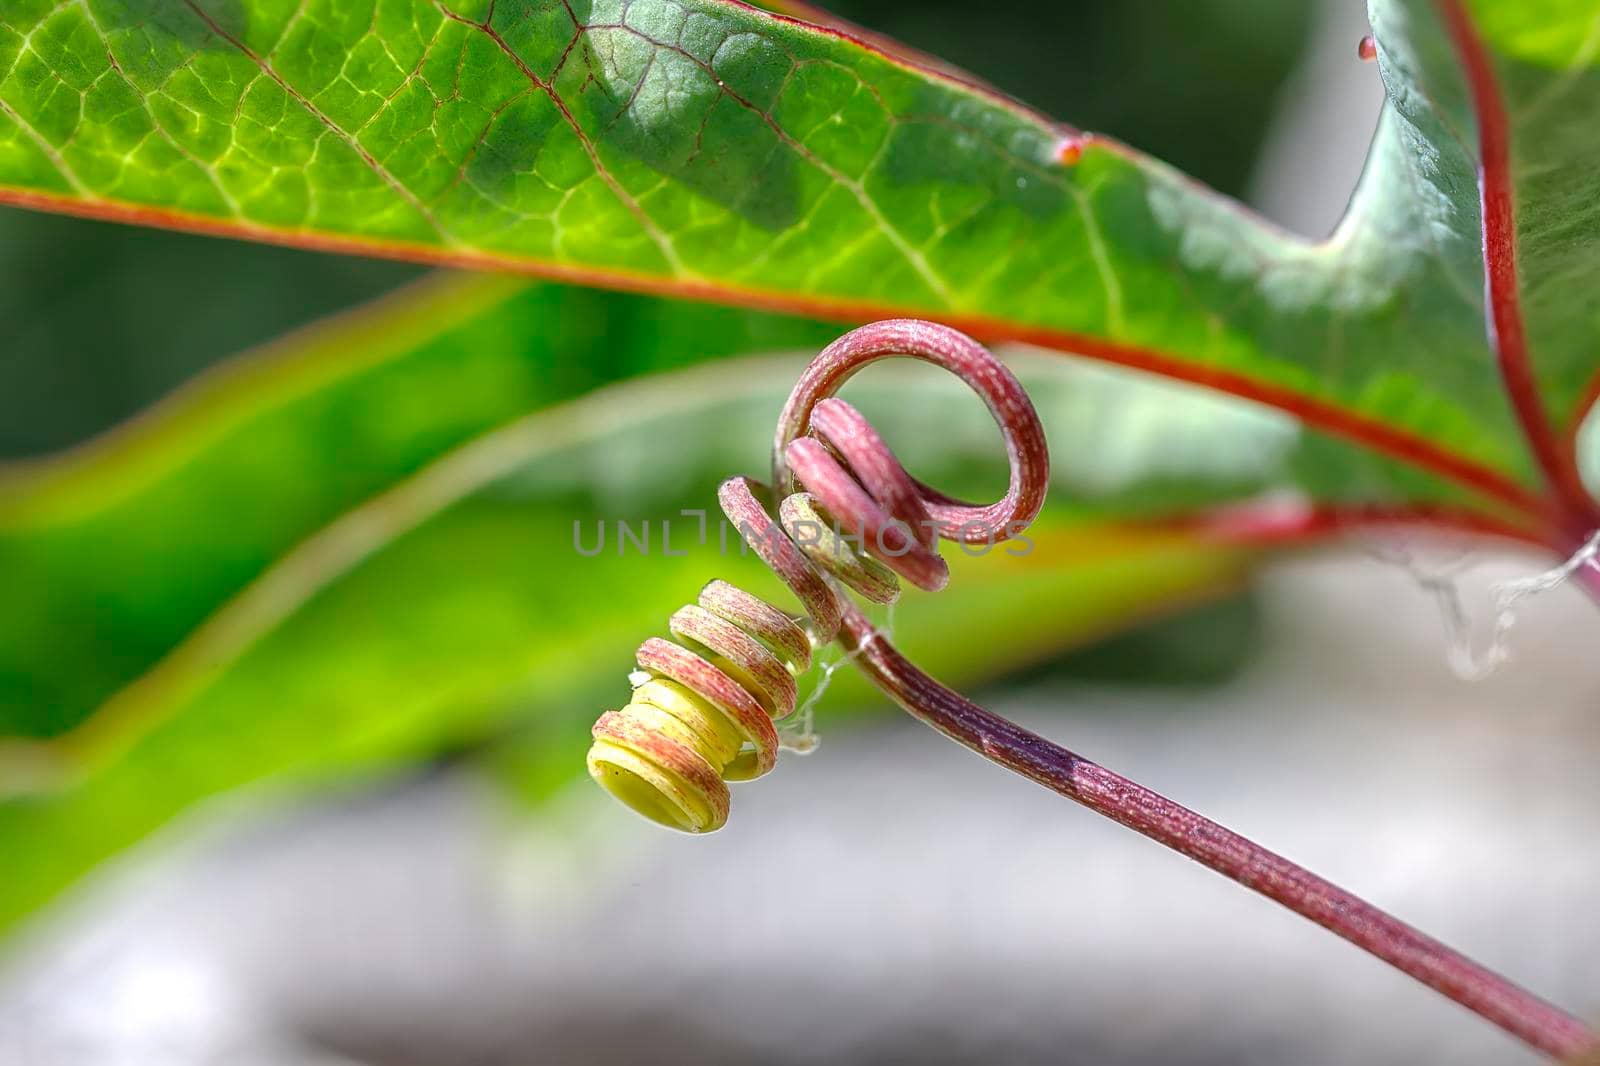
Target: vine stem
1541, 1025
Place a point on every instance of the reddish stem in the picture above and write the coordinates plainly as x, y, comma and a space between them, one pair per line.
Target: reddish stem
1507, 332
1485, 993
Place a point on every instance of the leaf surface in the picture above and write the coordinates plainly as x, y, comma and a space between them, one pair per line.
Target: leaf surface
704, 148
112, 554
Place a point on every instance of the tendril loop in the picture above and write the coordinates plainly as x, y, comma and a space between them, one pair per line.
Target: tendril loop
849, 515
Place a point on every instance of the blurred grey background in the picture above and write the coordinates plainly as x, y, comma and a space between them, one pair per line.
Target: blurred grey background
890, 898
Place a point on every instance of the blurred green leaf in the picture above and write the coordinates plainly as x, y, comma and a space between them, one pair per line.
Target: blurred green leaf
448, 605
112, 555
103, 320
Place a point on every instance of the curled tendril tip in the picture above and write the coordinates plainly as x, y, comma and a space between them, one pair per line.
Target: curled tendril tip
850, 516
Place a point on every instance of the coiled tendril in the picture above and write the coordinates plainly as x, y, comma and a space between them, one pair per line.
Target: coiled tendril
851, 515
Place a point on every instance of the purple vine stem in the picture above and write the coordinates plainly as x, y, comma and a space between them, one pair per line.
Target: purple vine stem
1482, 991
875, 491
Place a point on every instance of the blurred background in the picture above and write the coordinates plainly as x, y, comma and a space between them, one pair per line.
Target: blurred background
456, 896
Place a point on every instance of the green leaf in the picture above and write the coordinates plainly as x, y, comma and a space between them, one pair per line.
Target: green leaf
704, 148
1544, 64
113, 554
453, 605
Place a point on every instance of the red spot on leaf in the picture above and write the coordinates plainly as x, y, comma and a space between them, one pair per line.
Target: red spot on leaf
1367, 49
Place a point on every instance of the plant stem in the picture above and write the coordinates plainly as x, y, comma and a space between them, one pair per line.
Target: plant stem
1485, 993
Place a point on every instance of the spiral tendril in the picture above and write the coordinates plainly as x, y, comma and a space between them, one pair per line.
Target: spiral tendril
850, 516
